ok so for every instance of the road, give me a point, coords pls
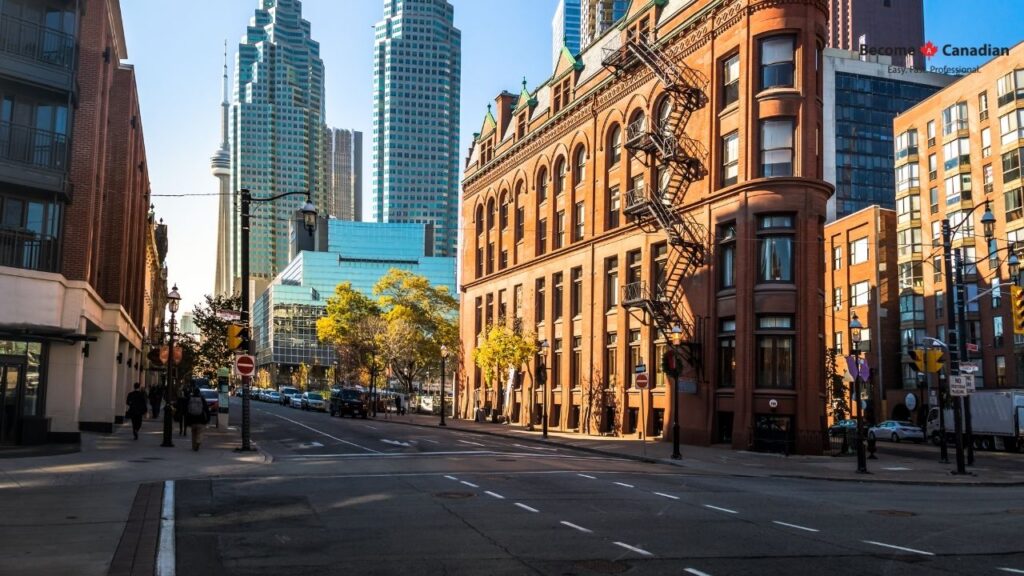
(377, 497)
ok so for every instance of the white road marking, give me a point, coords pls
(473, 443)
(395, 442)
(470, 484)
(577, 527)
(634, 549)
(897, 468)
(165, 559)
(527, 508)
(370, 427)
(623, 484)
(496, 495)
(535, 447)
(795, 526)
(695, 572)
(451, 478)
(721, 509)
(588, 476)
(884, 545)
(322, 433)
(311, 445)
(667, 495)
(1011, 570)
(429, 440)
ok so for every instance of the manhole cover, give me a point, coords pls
(898, 513)
(454, 495)
(603, 566)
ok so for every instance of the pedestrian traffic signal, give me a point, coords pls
(238, 337)
(1017, 300)
(917, 359)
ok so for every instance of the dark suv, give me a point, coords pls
(347, 401)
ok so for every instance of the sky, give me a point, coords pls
(177, 49)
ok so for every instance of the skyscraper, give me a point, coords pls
(277, 127)
(220, 166)
(878, 23)
(565, 29)
(597, 17)
(416, 77)
(347, 174)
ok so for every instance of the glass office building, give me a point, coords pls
(285, 315)
(277, 128)
(417, 66)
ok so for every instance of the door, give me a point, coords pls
(12, 378)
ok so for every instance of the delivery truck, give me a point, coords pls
(997, 420)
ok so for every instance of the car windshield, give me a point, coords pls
(349, 395)
(314, 396)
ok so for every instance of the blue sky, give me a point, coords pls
(177, 49)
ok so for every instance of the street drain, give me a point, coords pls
(603, 566)
(454, 495)
(897, 513)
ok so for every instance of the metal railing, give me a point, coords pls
(42, 44)
(33, 146)
(634, 292)
(28, 250)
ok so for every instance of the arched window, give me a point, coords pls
(579, 166)
(559, 176)
(614, 145)
(479, 219)
(490, 214)
(637, 127)
(542, 185)
(664, 115)
(503, 212)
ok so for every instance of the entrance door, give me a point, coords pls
(12, 378)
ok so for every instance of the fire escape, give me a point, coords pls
(658, 206)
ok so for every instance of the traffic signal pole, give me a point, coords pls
(247, 343)
(961, 330)
(954, 360)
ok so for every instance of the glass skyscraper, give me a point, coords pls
(577, 23)
(416, 86)
(277, 128)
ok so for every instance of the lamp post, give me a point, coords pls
(855, 328)
(173, 301)
(444, 354)
(677, 337)
(309, 219)
(542, 377)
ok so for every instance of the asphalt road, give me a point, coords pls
(374, 497)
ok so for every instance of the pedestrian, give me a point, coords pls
(179, 413)
(136, 408)
(197, 414)
(398, 404)
(156, 393)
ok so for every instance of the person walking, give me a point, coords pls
(156, 394)
(181, 408)
(136, 408)
(198, 414)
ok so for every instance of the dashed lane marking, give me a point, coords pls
(470, 484)
(468, 442)
(634, 549)
(894, 547)
(726, 510)
(623, 484)
(494, 494)
(577, 527)
(795, 526)
(667, 495)
(1011, 570)
(695, 572)
(535, 447)
(527, 508)
(451, 478)
(588, 476)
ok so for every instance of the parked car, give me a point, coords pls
(896, 431)
(842, 427)
(272, 396)
(313, 401)
(212, 399)
(348, 401)
(294, 400)
(286, 394)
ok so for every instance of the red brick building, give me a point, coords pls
(75, 221)
(668, 182)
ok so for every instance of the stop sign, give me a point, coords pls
(641, 380)
(245, 365)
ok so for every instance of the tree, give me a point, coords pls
(300, 378)
(838, 405)
(419, 318)
(501, 350)
(350, 325)
(262, 379)
(212, 351)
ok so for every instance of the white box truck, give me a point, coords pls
(997, 420)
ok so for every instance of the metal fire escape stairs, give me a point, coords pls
(659, 206)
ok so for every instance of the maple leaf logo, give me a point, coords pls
(929, 49)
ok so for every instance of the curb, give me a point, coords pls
(681, 464)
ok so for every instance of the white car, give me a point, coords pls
(313, 401)
(295, 400)
(896, 431)
(271, 396)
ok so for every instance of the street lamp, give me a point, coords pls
(677, 337)
(309, 219)
(173, 301)
(542, 378)
(855, 329)
(444, 354)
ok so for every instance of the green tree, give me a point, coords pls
(503, 349)
(262, 379)
(212, 351)
(300, 379)
(351, 326)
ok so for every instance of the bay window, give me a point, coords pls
(777, 147)
(775, 248)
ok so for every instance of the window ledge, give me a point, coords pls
(779, 92)
(733, 107)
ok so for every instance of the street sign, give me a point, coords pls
(969, 367)
(970, 383)
(958, 385)
(773, 403)
(933, 398)
(640, 368)
(971, 347)
(245, 365)
(641, 380)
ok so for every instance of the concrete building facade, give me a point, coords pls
(662, 192)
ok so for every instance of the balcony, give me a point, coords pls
(26, 249)
(39, 54)
(33, 157)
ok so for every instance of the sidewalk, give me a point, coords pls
(91, 513)
(992, 468)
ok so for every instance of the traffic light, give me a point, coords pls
(936, 358)
(1017, 301)
(917, 358)
(238, 337)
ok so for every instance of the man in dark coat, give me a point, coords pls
(197, 414)
(156, 394)
(136, 408)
